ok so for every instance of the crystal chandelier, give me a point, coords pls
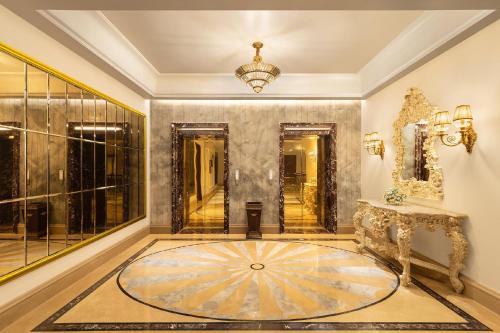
(257, 74)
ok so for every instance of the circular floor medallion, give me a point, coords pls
(257, 266)
(257, 280)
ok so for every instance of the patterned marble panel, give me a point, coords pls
(253, 149)
(233, 280)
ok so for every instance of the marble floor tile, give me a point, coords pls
(223, 283)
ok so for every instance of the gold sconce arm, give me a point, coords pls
(463, 120)
(467, 137)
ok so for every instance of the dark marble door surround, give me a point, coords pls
(320, 129)
(179, 132)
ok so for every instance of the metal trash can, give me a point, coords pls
(254, 213)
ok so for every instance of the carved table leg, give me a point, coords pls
(405, 232)
(458, 253)
(360, 230)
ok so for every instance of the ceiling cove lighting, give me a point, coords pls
(257, 74)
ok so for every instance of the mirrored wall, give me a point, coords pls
(72, 164)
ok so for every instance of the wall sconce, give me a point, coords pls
(270, 176)
(462, 119)
(236, 176)
(374, 145)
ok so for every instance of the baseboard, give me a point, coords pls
(160, 229)
(242, 229)
(345, 229)
(20, 307)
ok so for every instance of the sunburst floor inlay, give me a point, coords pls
(257, 280)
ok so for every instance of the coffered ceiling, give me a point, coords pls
(299, 42)
(179, 49)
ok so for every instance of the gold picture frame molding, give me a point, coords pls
(50, 70)
(415, 108)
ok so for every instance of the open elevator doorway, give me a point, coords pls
(307, 178)
(200, 193)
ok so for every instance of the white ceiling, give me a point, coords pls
(296, 41)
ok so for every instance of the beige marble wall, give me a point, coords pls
(253, 149)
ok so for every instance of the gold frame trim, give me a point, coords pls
(52, 71)
(35, 63)
(415, 108)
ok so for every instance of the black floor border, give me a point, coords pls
(471, 324)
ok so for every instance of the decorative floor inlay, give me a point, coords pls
(222, 285)
(257, 280)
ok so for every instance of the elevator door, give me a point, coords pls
(203, 190)
(305, 206)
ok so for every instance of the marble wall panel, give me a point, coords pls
(253, 149)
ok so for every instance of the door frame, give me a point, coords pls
(179, 131)
(321, 129)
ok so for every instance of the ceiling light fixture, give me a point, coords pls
(257, 74)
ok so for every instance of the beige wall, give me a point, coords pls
(254, 150)
(469, 73)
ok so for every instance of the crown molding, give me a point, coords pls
(96, 33)
(286, 86)
(427, 37)
(430, 35)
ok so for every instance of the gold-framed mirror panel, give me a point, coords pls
(417, 172)
(73, 164)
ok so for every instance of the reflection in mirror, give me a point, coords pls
(110, 208)
(68, 168)
(100, 165)
(74, 221)
(36, 177)
(88, 216)
(119, 126)
(57, 225)
(57, 208)
(74, 165)
(120, 211)
(134, 130)
(414, 161)
(11, 91)
(11, 236)
(110, 123)
(100, 119)
(57, 106)
(100, 208)
(36, 228)
(88, 124)
(37, 88)
(11, 197)
(74, 111)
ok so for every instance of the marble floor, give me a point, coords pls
(208, 218)
(223, 283)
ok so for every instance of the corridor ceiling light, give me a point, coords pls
(257, 74)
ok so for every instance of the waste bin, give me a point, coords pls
(254, 212)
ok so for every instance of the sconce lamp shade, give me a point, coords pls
(371, 140)
(463, 116)
(442, 121)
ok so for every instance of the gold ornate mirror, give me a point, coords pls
(416, 173)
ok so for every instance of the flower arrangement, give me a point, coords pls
(394, 197)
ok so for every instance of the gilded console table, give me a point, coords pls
(407, 218)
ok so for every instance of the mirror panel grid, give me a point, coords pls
(72, 164)
(416, 173)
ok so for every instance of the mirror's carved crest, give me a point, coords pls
(415, 108)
